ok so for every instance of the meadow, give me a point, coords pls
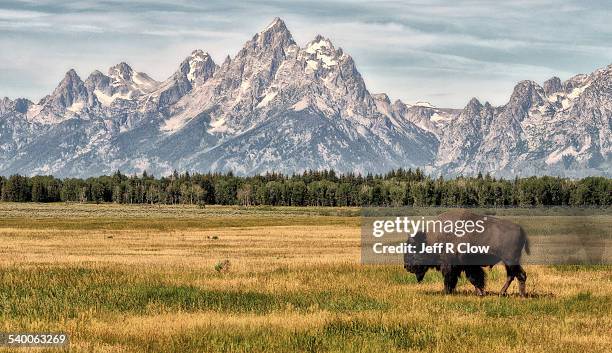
(120, 278)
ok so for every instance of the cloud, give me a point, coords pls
(19, 15)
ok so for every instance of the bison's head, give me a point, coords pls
(418, 270)
(415, 263)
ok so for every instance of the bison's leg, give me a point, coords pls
(451, 276)
(522, 278)
(476, 276)
(509, 278)
(512, 272)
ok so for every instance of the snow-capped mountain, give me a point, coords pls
(280, 106)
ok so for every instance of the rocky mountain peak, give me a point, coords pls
(319, 42)
(22, 105)
(199, 66)
(576, 81)
(244, 79)
(199, 54)
(121, 72)
(322, 53)
(526, 94)
(552, 85)
(474, 106)
(382, 97)
(398, 103)
(70, 91)
(5, 105)
(195, 70)
(71, 78)
(276, 26)
(96, 74)
(127, 83)
(98, 81)
(275, 35)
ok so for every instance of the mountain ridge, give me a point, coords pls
(277, 106)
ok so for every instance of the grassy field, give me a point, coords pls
(145, 279)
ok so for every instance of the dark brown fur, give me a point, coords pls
(506, 239)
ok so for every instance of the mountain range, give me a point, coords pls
(279, 106)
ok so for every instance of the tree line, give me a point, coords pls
(313, 188)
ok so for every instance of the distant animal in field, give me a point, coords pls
(506, 241)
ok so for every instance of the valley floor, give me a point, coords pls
(154, 279)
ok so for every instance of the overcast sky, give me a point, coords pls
(444, 52)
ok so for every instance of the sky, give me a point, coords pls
(442, 52)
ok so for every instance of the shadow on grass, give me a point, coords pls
(537, 304)
(471, 293)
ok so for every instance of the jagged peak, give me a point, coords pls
(72, 73)
(227, 60)
(71, 76)
(318, 38)
(526, 84)
(122, 66)
(399, 106)
(201, 54)
(275, 33)
(198, 64)
(381, 97)
(198, 55)
(552, 85)
(553, 79)
(323, 50)
(526, 88)
(97, 73)
(474, 104)
(5, 105)
(71, 79)
(276, 25)
(22, 105)
(526, 95)
(69, 90)
(121, 71)
(319, 43)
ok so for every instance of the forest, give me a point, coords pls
(313, 188)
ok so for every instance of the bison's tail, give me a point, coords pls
(526, 244)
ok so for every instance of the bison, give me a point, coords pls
(505, 239)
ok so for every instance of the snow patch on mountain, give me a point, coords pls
(556, 155)
(301, 105)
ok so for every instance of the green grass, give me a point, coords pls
(55, 294)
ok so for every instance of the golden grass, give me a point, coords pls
(143, 279)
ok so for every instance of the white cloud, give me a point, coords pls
(19, 14)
